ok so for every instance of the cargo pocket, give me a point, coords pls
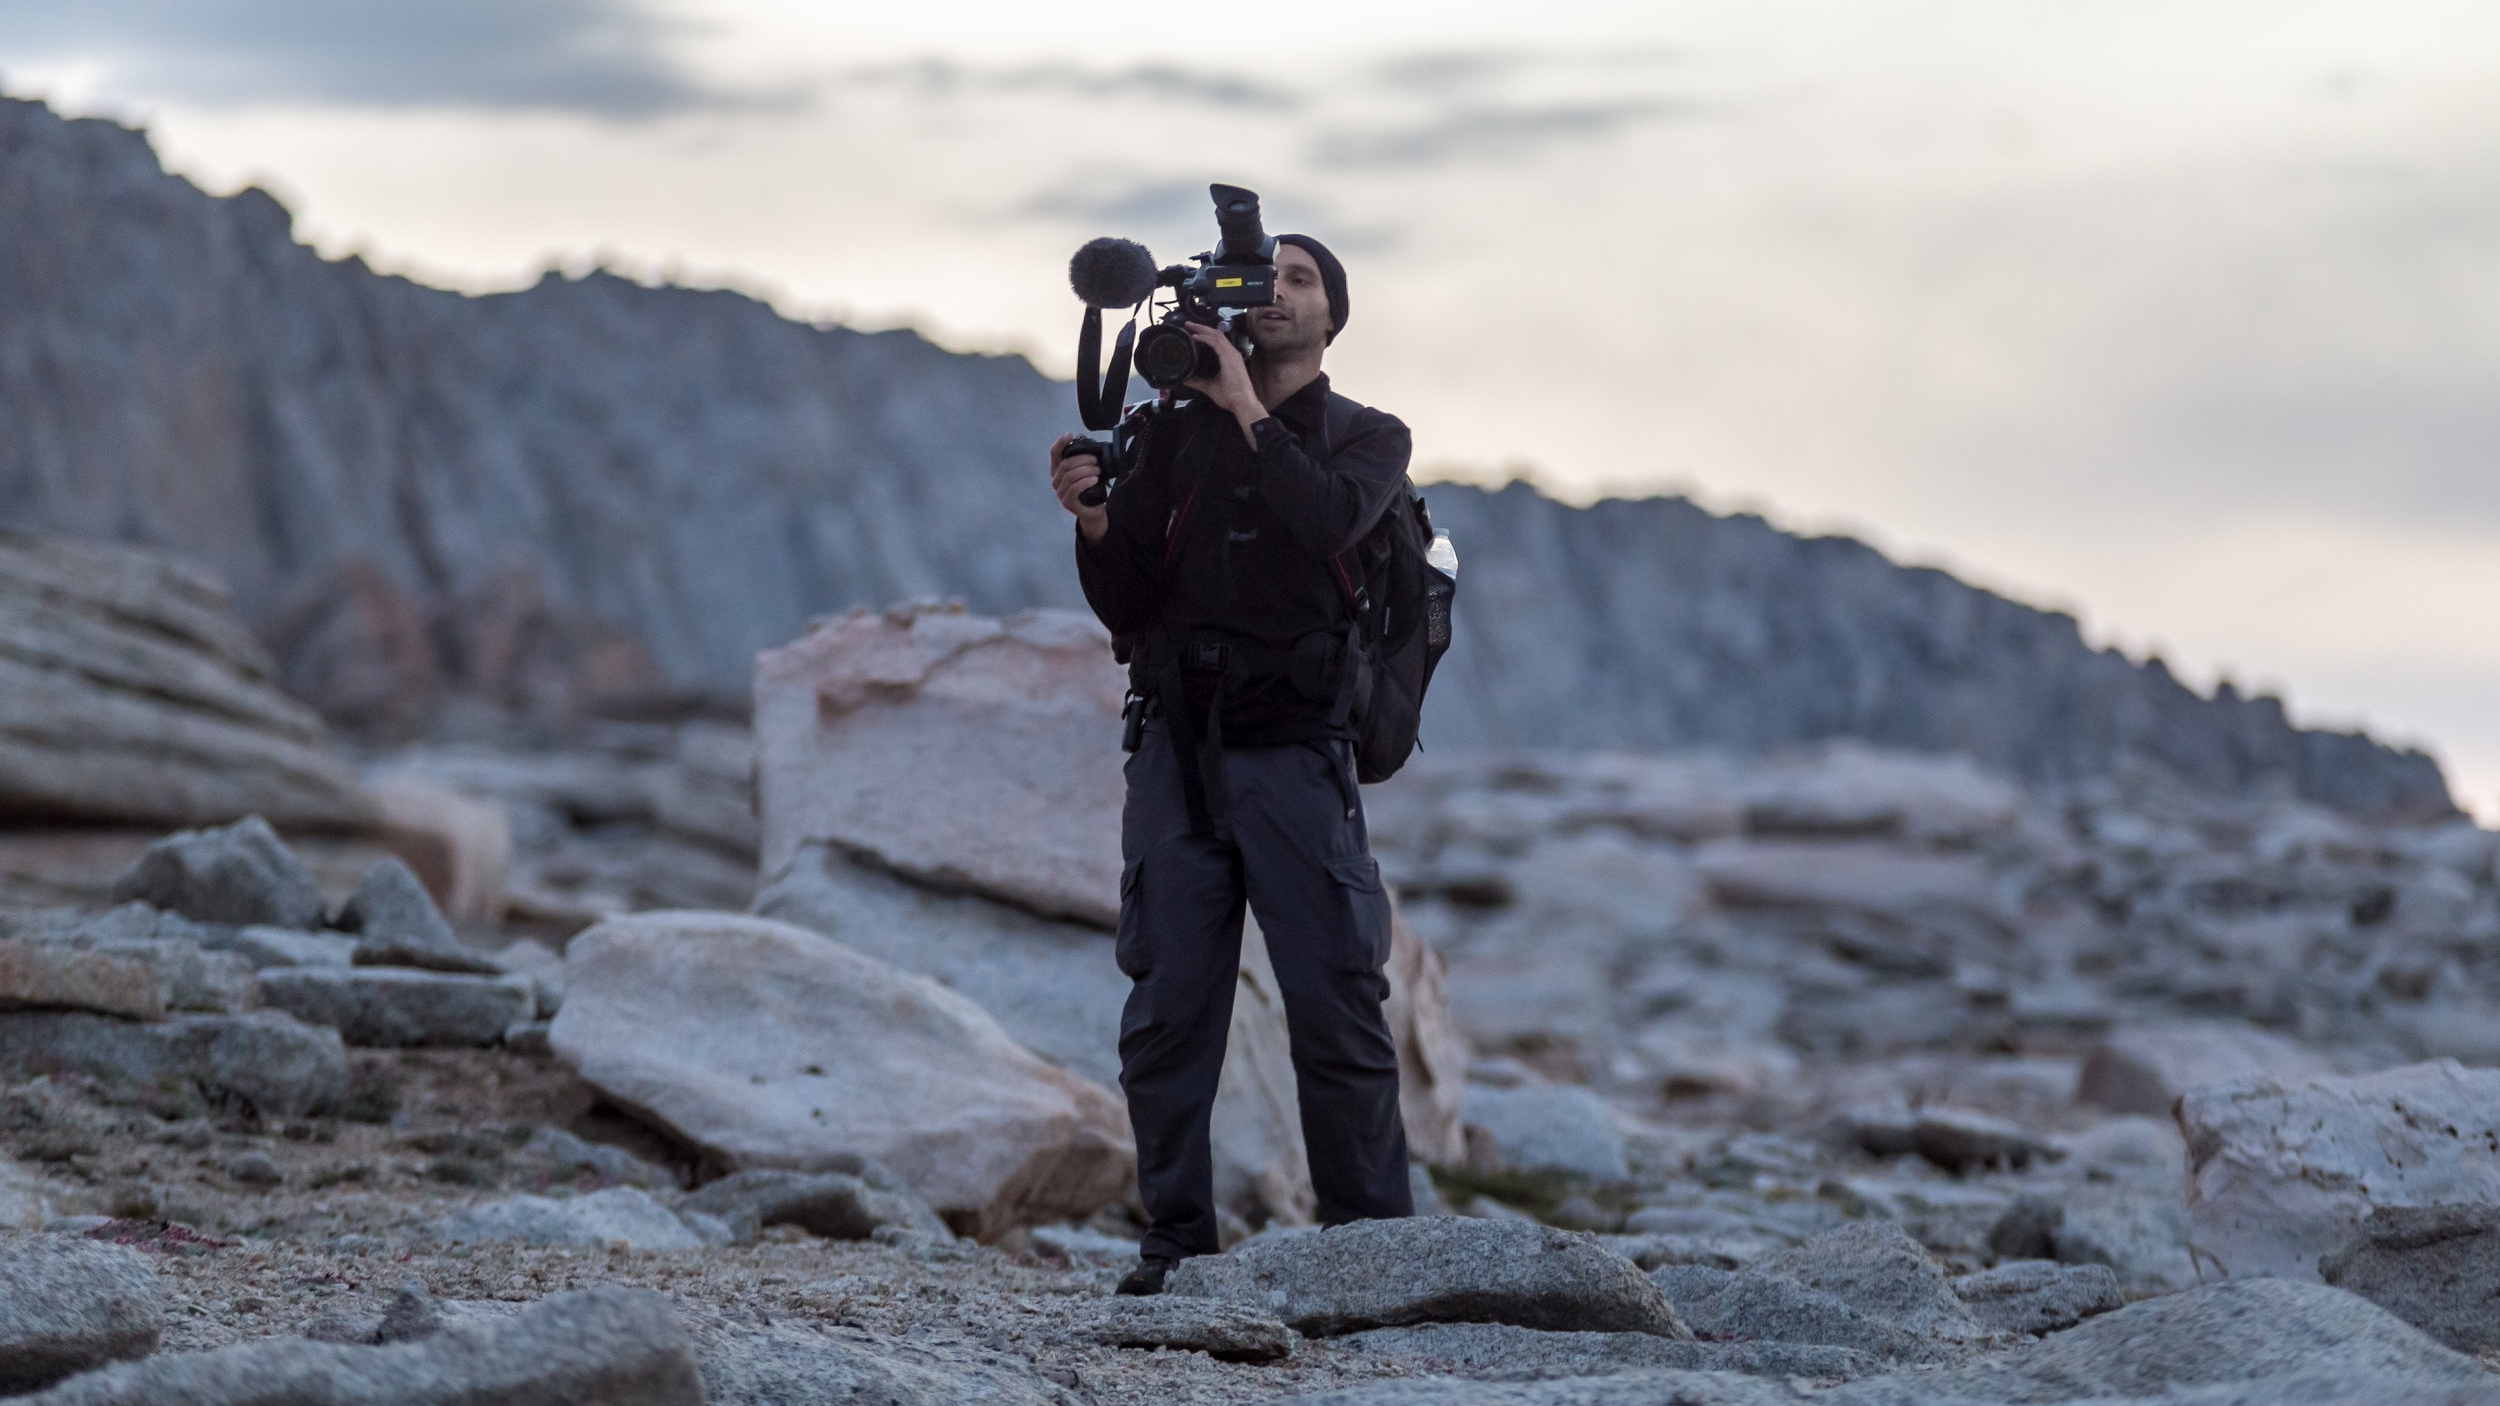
(1367, 908)
(1129, 948)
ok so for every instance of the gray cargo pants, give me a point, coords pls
(1299, 855)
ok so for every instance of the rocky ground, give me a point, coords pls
(258, 1231)
(319, 1229)
(2022, 1152)
(1842, 1072)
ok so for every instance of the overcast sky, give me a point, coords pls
(2183, 315)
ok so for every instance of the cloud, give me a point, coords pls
(1175, 219)
(1184, 85)
(1483, 132)
(2363, 445)
(610, 58)
(1479, 105)
(1158, 82)
(1127, 204)
(1450, 72)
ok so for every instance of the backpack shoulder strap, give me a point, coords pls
(1337, 423)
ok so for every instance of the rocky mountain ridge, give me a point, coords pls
(1690, 630)
(596, 496)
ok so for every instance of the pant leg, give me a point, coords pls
(1309, 875)
(1180, 943)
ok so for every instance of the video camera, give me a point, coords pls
(1238, 274)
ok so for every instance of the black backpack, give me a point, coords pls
(1401, 607)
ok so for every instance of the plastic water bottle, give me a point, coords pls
(1442, 556)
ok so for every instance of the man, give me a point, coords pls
(1225, 564)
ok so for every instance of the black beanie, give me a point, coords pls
(1331, 277)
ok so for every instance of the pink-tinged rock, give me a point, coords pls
(770, 1046)
(1432, 1053)
(2281, 1172)
(135, 695)
(1256, 1125)
(459, 846)
(961, 751)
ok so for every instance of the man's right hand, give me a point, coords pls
(1070, 475)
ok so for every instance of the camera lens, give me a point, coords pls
(1166, 356)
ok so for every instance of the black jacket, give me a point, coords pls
(1213, 542)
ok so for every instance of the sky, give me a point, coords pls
(2181, 315)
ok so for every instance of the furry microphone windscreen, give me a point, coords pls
(1112, 273)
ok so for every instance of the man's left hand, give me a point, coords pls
(1230, 385)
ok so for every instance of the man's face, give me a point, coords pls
(1298, 319)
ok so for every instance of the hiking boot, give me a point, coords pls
(1147, 1279)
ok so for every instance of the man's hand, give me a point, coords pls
(1070, 475)
(1230, 386)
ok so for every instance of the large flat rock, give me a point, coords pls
(2144, 1070)
(188, 962)
(793, 1362)
(2038, 1296)
(268, 1060)
(1052, 983)
(265, 947)
(1877, 1269)
(964, 751)
(2435, 1267)
(390, 1006)
(1435, 1269)
(1864, 877)
(2218, 1336)
(2255, 1343)
(1637, 1388)
(771, 1046)
(1231, 1332)
(1739, 1306)
(50, 975)
(67, 1305)
(2281, 1173)
(136, 695)
(619, 1215)
(1487, 1349)
(593, 1347)
(833, 1205)
(27, 1201)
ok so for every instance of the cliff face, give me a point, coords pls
(1655, 623)
(591, 493)
(588, 486)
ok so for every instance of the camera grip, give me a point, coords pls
(1100, 488)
